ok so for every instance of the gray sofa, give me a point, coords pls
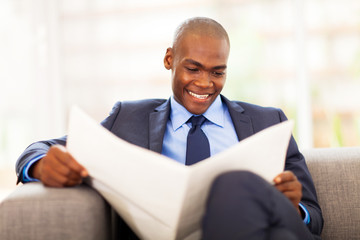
(33, 211)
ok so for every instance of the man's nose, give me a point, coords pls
(204, 80)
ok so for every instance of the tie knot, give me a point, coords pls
(197, 120)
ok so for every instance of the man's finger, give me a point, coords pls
(65, 158)
(52, 178)
(57, 165)
(289, 186)
(284, 177)
(66, 171)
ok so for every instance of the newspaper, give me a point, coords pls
(158, 197)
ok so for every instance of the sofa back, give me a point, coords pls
(336, 175)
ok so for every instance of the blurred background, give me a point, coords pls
(299, 55)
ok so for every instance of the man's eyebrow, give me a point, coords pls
(191, 61)
(220, 67)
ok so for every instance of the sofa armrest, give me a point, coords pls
(336, 175)
(34, 211)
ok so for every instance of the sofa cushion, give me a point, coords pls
(336, 175)
(33, 211)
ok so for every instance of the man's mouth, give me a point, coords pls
(204, 96)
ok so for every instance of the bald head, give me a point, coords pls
(200, 26)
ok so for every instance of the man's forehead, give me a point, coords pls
(195, 42)
(192, 41)
(193, 36)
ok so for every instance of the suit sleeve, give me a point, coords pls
(32, 151)
(295, 162)
(42, 147)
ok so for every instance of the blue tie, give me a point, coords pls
(197, 147)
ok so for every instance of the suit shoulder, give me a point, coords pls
(260, 115)
(131, 114)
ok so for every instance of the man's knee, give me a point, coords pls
(239, 179)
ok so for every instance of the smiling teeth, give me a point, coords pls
(198, 96)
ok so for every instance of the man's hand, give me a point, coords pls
(58, 168)
(287, 183)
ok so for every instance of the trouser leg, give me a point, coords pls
(242, 205)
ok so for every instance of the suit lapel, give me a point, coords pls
(157, 126)
(242, 122)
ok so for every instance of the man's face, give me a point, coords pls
(198, 68)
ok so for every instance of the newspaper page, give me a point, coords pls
(158, 197)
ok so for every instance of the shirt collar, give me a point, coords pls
(179, 115)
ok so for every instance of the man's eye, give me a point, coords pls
(192, 69)
(218, 74)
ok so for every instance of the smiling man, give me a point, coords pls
(195, 123)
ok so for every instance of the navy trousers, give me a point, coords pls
(242, 205)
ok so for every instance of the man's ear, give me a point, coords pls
(168, 59)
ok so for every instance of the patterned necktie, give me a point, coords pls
(197, 147)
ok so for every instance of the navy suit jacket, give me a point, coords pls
(143, 123)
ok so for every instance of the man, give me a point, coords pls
(240, 205)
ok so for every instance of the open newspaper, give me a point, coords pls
(158, 197)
